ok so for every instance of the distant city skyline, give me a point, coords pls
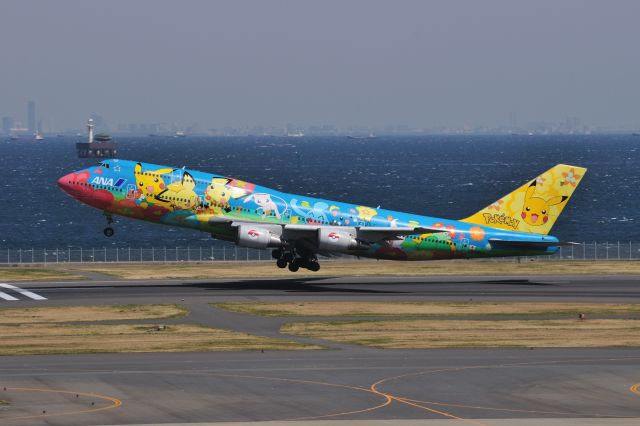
(359, 64)
(569, 125)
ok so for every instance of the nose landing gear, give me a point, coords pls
(108, 231)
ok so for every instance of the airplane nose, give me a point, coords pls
(65, 182)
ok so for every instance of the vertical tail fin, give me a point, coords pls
(535, 206)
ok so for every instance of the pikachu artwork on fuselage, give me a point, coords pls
(219, 192)
(181, 195)
(150, 185)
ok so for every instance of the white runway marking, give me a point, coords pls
(23, 292)
(6, 296)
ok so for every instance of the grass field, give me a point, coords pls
(36, 274)
(360, 268)
(338, 268)
(420, 334)
(31, 339)
(419, 309)
(54, 330)
(90, 313)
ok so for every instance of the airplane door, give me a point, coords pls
(131, 192)
(176, 175)
(464, 245)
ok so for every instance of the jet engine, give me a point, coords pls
(255, 237)
(333, 240)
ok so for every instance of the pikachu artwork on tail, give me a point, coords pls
(535, 206)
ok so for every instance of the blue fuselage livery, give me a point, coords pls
(298, 227)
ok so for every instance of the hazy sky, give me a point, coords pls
(421, 63)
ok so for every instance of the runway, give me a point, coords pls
(473, 386)
(583, 288)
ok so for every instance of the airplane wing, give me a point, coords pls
(321, 239)
(318, 238)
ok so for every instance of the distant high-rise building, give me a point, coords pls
(31, 116)
(98, 120)
(7, 125)
(513, 120)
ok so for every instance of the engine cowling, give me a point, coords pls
(333, 240)
(255, 237)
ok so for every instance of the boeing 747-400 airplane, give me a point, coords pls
(299, 228)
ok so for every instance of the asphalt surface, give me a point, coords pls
(530, 288)
(477, 386)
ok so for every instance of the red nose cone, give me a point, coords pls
(65, 182)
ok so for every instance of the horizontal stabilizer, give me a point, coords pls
(523, 244)
(374, 234)
(402, 230)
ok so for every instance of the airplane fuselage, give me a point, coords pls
(219, 205)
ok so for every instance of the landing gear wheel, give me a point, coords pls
(281, 263)
(294, 266)
(313, 266)
(108, 231)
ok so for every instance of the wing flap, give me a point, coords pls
(368, 234)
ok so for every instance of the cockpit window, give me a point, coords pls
(105, 165)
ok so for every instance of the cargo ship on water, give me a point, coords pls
(21, 134)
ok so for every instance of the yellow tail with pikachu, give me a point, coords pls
(535, 206)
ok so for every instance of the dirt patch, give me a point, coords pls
(419, 334)
(347, 308)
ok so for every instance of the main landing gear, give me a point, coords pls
(294, 262)
(108, 231)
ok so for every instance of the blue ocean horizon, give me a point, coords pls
(442, 176)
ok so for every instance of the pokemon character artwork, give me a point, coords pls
(299, 228)
(535, 206)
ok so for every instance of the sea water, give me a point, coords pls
(442, 176)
